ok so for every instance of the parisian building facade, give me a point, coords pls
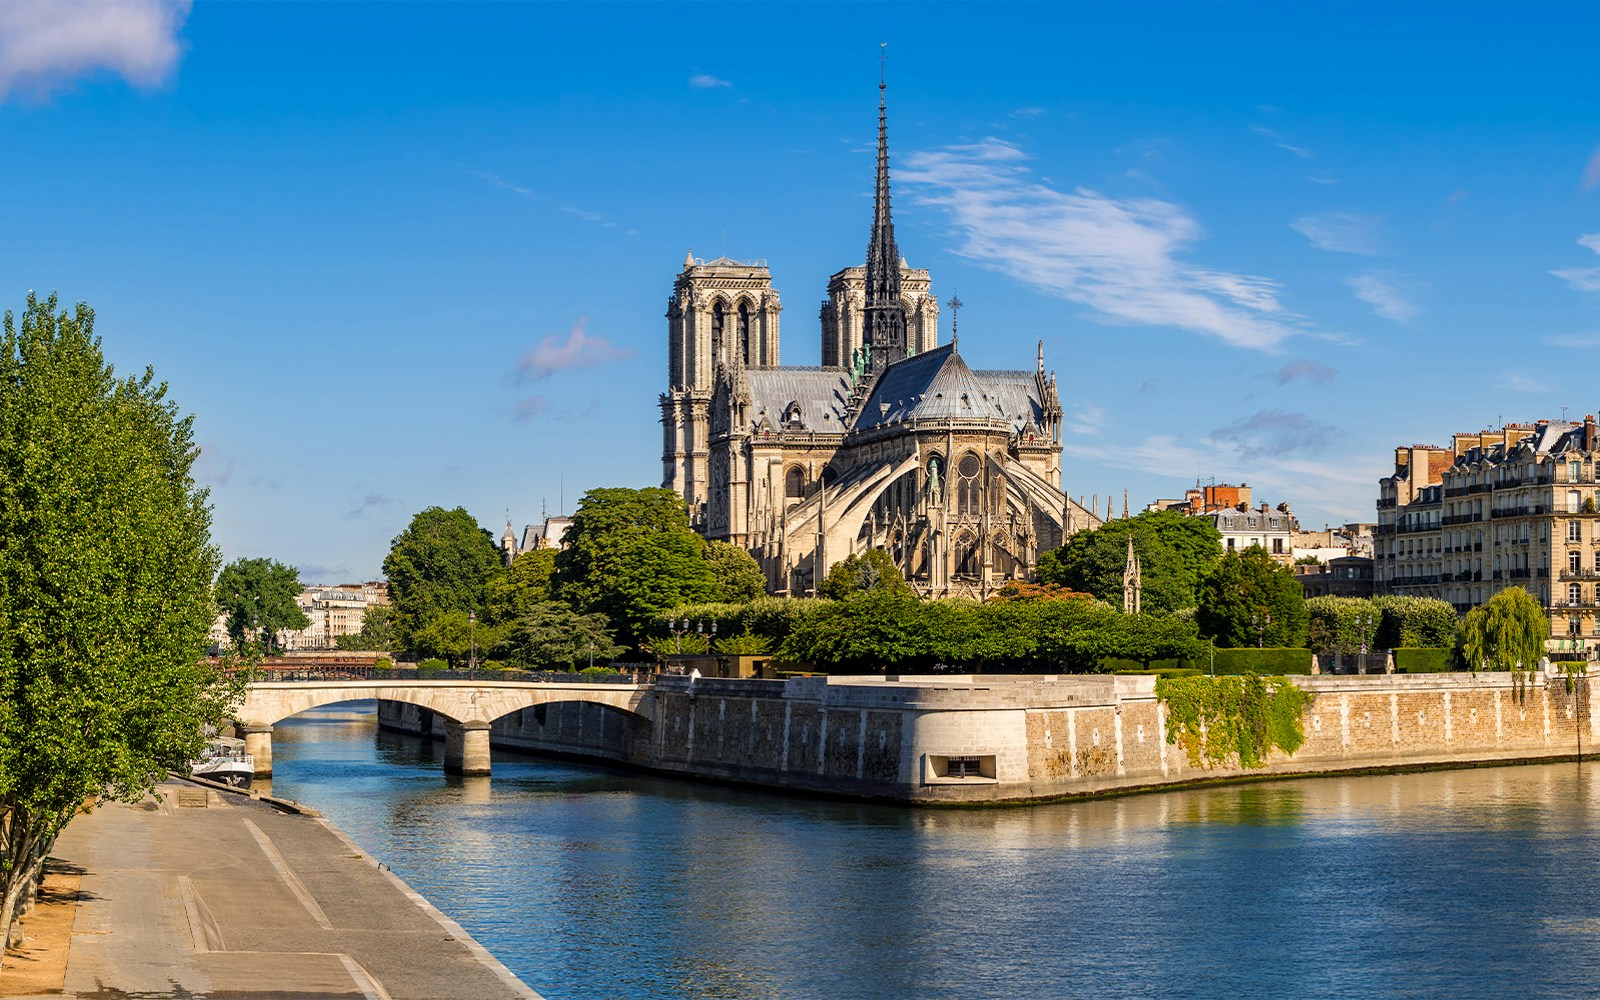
(893, 442)
(1500, 508)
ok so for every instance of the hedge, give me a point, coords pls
(1263, 661)
(1423, 660)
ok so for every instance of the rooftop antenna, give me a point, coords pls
(883, 65)
(561, 484)
(1563, 414)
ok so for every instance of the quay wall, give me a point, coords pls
(1011, 738)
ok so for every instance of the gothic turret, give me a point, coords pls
(885, 313)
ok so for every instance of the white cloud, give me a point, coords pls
(1031, 111)
(1523, 382)
(1282, 143)
(1340, 232)
(1384, 296)
(1584, 279)
(1118, 257)
(1087, 419)
(1312, 370)
(44, 46)
(578, 350)
(705, 81)
(1267, 433)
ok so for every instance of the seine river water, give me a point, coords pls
(590, 883)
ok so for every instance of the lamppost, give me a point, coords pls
(1364, 626)
(678, 628)
(591, 654)
(472, 639)
(1260, 622)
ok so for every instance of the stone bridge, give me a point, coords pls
(469, 706)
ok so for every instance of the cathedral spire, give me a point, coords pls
(885, 318)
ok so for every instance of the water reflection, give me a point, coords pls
(590, 882)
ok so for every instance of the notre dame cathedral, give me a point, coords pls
(891, 443)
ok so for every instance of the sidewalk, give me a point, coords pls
(208, 894)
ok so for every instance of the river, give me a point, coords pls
(593, 883)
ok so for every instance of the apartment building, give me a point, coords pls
(1498, 508)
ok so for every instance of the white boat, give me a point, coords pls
(224, 760)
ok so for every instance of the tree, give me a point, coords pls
(1335, 624)
(736, 571)
(1415, 621)
(1175, 553)
(630, 554)
(258, 596)
(525, 584)
(1506, 633)
(1249, 600)
(441, 563)
(870, 632)
(551, 633)
(106, 567)
(870, 570)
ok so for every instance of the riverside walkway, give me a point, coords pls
(212, 894)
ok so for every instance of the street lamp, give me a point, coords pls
(472, 634)
(1364, 626)
(591, 654)
(678, 628)
(1260, 622)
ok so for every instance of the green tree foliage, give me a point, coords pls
(743, 644)
(523, 586)
(258, 596)
(106, 567)
(551, 634)
(867, 570)
(874, 631)
(630, 554)
(1415, 621)
(736, 572)
(377, 630)
(1175, 554)
(441, 564)
(1249, 600)
(1506, 633)
(1334, 624)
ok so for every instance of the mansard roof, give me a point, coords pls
(821, 396)
(938, 385)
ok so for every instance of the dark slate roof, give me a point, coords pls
(938, 385)
(822, 395)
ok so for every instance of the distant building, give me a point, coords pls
(332, 612)
(1515, 506)
(552, 534)
(1342, 576)
(1228, 507)
(1351, 539)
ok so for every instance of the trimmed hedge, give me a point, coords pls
(1264, 662)
(1423, 660)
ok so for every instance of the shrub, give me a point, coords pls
(597, 671)
(1265, 662)
(433, 663)
(1426, 660)
(383, 663)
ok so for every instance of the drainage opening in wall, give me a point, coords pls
(939, 769)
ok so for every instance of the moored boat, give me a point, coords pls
(224, 759)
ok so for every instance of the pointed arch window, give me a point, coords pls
(744, 334)
(794, 483)
(718, 321)
(969, 491)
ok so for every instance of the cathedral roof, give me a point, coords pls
(938, 385)
(801, 397)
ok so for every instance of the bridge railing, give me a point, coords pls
(277, 674)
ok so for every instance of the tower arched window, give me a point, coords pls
(794, 483)
(969, 492)
(744, 333)
(968, 562)
(718, 320)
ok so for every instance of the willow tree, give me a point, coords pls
(1506, 633)
(105, 587)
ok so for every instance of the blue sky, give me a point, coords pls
(402, 255)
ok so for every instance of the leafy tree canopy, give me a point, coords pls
(1505, 633)
(551, 634)
(377, 630)
(1175, 554)
(106, 567)
(258, 596)
(631, 554)
(870, 570)
(1341, 624)
(1415, 621)
(525, 584)
(441, 563)
(736, 571)
(1249, 600)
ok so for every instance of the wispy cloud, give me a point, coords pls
(705, 81)
(44, 47)
(534, 196)
(1584, 279)
(1340, 232)
(1274, 432)
(1282, 143)
(1119, 257)
(1575, 340)
(1309, 370)
(1591, 173)
(1523, 382)
(574, 351)
(1031, 111)
(369, 503)
(1384, 295)
(1087, 419)
(312, 574)
(534, 406)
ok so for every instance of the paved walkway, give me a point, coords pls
(215, 895)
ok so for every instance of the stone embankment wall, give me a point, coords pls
(1020, 738)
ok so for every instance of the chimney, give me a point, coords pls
(1588, 432)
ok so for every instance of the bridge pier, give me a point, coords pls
(466, 747)
(258, 744)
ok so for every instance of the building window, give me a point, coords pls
(1277, 546)
(744, 333)
(1574, 501)
(1574, 531)
(969, 495)
(1575, 561)
(1574, 594)
(1574, 471)
(794, 484)
(717, 318)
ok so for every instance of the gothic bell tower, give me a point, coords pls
(719, 310)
